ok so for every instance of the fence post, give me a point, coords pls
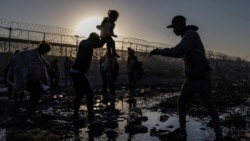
(77, 36)
(44, 34)
(61, 46)
(10, 30)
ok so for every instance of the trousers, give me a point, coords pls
(203, 87)
(82, 88)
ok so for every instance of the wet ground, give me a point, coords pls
(55, 109)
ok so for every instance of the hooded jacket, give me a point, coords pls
(192, 51)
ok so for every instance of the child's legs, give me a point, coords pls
(110, 45)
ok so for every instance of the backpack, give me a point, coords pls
(105, 65)
(109, 68)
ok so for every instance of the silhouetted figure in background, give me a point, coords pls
(78, 70)
(107, 31)
(134, 70)
(131, 61)
(109, 69)
(10, 87)
(28, 72)
(67, 65)
(197, 71)
(54, 73)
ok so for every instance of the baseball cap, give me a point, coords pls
(177, 20)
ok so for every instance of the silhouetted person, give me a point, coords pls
(67, 65)
(28, 72)
(197, 71)
(109, 69)
(134, 70)
(10, 87)
(54, 73)
(131, 61)
(78, 70)
(107, 31)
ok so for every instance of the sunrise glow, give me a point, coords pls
(89, 25)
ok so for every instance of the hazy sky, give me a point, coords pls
(223, 24)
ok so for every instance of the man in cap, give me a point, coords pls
(197, 71)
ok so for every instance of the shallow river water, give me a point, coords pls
(196, 129)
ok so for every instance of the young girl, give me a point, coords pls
(107, 31)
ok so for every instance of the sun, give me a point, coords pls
(89, 25)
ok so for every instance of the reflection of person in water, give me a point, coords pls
(78, 70)
(197, 71)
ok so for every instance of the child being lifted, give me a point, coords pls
(107, 31)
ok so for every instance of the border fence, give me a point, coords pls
(23, 36)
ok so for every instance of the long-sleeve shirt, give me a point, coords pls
(84, 55)
(192, 51)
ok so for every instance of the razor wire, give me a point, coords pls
(17, 35)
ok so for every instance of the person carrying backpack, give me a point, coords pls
(78, 72)
(109, 69)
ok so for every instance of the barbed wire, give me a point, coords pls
(14, 35)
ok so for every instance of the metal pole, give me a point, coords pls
(61, 46)
(77, 36)
(10, 30)
(44, 34)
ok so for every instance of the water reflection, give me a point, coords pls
(2, 134)
(196, 128)
(113, 129)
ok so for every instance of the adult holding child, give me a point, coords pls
(78, 73)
